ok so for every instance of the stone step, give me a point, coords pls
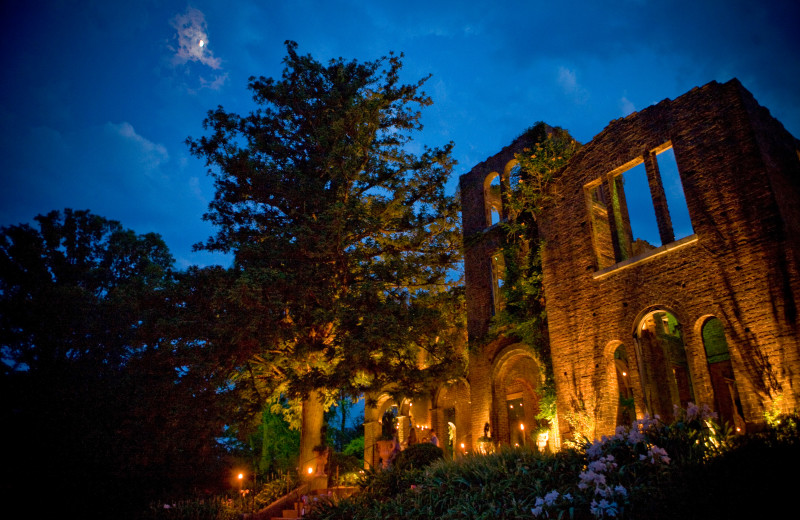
(339, 492)
(290, 514)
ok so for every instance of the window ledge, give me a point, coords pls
(685, 241)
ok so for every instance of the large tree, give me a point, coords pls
(105, 403)
(344, 240)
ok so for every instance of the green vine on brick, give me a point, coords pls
(531, 186)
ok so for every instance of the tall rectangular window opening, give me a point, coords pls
(673, 189)
(637, 207)
(633, 197)
(597, 202)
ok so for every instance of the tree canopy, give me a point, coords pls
(343, 238)
(337, 228)
(104, 399)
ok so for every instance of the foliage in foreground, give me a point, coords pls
(107, 391)
(222, 507)
(702, 473)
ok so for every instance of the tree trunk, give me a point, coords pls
(311, 418)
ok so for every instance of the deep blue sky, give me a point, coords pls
(98, 97)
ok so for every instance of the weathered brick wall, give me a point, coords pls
(480, 239)
(481, 242)
(740, 266)
(740, 172)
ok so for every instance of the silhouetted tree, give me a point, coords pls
(104, 402)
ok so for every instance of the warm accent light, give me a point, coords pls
(310, 470)
(241, 476)
(624, 374)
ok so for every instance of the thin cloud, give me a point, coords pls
(626, 106)
(568, 81)
(193, 39)
(214, 84)
(149, 156)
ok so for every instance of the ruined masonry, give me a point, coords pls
(696, 302)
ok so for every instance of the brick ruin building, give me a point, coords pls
(697, 303)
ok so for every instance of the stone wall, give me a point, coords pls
(607, 292)
(488, 359)
(739, 169)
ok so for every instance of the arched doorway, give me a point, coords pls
(626, 411)
(452, 416)
(723, 382)
(515, 379)
(664, 370)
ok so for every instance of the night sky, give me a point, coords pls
(98, 97)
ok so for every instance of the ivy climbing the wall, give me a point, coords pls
(531, 185)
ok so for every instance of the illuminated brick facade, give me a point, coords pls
(704, 314)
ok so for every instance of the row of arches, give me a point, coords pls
(510, 418)
(650, 374)
(664, 369)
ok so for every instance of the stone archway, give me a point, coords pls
(373, 417)
(492, 198)
(618, 407)
(411, 414)
(664, 372)
(516, 377)
(720, 371)
(451, 418)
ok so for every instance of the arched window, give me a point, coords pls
(723, 382)
(492, 199)
(626, 412)
(513, 173)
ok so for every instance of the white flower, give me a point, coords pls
(536, 511)
(620, 490)
(551, 497)
(590, 477)
(635, 437)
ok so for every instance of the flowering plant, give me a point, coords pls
(635, 460)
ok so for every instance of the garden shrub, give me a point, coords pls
(274, 489)
(418, 456)
(688, 469)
